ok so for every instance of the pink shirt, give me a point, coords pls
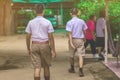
(91, 27)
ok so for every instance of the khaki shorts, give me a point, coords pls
(80, 49)
(41, 55)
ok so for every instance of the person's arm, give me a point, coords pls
(84, 30)
(28, 37)
(104, 32)
(93, 34)
(52, 44)
(70, 38)
(84, 35)
(69, 29)
(103, 26)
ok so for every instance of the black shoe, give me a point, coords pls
(36, 78)
(71, 70)
(101, 57)
(81, 74)
(47, 77)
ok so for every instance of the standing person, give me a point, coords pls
(100, 34)
(90, 34)
(76, 28)
(41, 32)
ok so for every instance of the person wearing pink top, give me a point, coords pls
(90, 34)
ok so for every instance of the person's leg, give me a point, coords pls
(46, 60)
(46, 72)
(93, 48)
(98, 40)
(101, 50)
(72, 69)
(101, 55)
(36, 60)
(71, 59)
(81, 60)
(81, 53)
(37, 73)
(86, 43)
(98, 45)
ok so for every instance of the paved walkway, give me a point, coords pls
(58, 72)
(15, 62)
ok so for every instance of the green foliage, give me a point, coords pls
(24, 16)
(29, 13)
(114, 13)
(89, 7)
(66, 15)
(48, 12)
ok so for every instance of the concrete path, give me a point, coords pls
(15, 63)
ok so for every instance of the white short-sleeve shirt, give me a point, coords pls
(39, 28)
(77, 27)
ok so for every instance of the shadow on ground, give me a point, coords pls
(97, 69)
(13, 61)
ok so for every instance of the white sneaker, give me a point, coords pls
(95, 56)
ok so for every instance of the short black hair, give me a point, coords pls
(74, 11)
(91, 17)
(39, 8)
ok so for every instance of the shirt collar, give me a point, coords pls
(39, 16)
(102, 18)
(74, 17)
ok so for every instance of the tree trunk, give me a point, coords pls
(106, 32)
(5, 17)
(1, 17)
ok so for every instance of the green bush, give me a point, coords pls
(114, 13)
(88, 7)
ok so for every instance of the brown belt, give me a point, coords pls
(77, 38)
(38, 42)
